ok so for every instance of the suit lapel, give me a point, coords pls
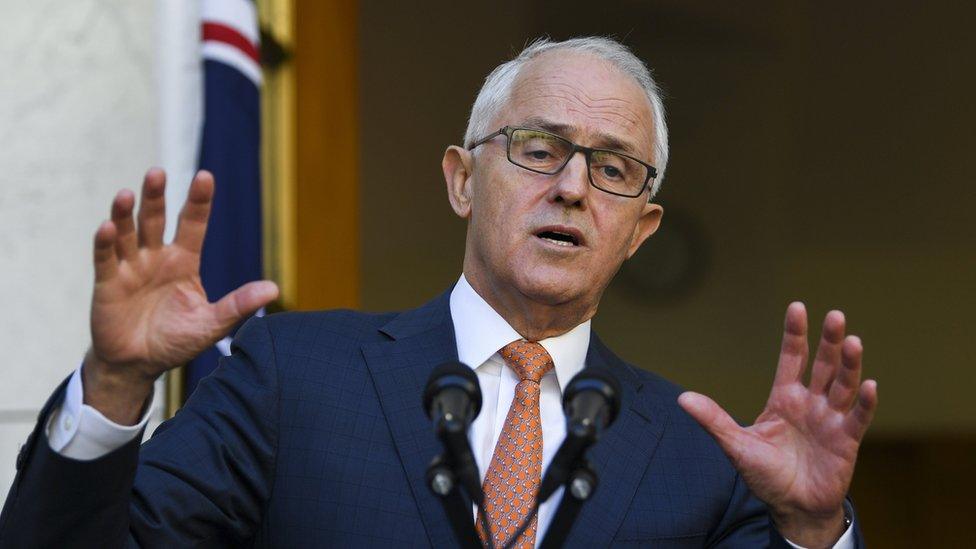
(423, 338)
(420, 340)
(621, 457)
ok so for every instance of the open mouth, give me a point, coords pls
(559, 237)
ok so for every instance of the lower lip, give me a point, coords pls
(559, 246)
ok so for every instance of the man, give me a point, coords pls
(312, 433)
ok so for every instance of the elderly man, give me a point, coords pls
(312, 432)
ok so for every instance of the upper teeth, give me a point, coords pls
(560, 242)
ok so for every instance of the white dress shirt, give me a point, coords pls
(78, 431)
(480, 333)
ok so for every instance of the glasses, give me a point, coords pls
(547, 153)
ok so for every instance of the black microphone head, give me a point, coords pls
(598, 381)
(455, 375)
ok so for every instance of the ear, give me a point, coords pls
(458, 164)
(648, 223)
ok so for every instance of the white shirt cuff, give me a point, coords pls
(845, 542)
(79, 431)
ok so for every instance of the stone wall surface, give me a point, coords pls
(77, 122)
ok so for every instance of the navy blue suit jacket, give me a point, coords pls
(312, 434)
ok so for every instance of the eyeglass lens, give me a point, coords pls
(547, 153)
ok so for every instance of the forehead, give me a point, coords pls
(597, 103)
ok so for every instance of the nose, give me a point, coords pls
(572, 183)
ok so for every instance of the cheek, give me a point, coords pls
(616, 231)
(503, 203)
(495, 221)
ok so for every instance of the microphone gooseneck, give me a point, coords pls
(452, 400)
(591, 402)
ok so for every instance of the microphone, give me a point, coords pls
(591, 402)
(452, 399)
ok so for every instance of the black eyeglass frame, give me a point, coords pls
(507, 131)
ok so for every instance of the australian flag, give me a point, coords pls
(230, 148)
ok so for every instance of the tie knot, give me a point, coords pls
(530, 360)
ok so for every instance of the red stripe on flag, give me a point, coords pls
(228, 35)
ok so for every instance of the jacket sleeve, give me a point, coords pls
(747, 524)
(201, 480)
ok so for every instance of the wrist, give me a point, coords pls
(812, 530)
(117, 392)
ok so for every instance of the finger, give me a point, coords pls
(106, 264)
(152, 209)
(716, 421)
(192, 226)
(241, 303)
(827, 362)
(126, 244)
(845, 385)
(858, 421)
(794, 351)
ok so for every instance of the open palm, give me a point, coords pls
(149, 310)
(799, 455)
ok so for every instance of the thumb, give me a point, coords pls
(715, 420)
(243, 302)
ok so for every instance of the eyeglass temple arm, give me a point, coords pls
(488, 138)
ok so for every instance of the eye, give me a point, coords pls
(539, 154)
(611, 172)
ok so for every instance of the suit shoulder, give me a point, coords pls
(666, 393)
(311, 347)
(660, 389)
(334, 327)
(658, 384)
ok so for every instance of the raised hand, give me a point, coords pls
(149, 310)
(798, 456)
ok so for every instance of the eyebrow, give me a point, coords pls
(603, 140)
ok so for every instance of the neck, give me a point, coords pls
(533, 319)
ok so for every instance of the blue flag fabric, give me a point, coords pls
(230, 148)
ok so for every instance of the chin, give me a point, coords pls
(552, 286)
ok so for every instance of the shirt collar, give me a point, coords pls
(480, 332)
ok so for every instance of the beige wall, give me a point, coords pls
(79, 99)
(77, 120)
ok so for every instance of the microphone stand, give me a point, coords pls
(443, 482)
(452, 399)
(580, 485)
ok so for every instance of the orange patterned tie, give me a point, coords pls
(515, 470)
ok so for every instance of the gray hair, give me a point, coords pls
(498, 87)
